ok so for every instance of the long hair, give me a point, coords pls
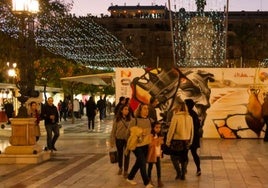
(119, 115)
(153, 125)
(181, 107)
(137, 112)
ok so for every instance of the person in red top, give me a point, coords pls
(35, 113)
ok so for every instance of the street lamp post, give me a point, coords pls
(23, 148)
(25, 9)
(11, 71)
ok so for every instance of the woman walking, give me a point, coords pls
(119, 136)
(142, 122)
(196, 140)
(180, 132)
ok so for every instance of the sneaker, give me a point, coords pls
(149, 186)
(132, 182)
(198, 173)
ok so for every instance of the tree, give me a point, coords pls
(50, 70)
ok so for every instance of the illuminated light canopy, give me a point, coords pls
(84, 41)
(199, 36)
(75, 38)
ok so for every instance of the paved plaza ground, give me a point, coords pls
(82, 161)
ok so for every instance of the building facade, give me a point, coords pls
(146, 33)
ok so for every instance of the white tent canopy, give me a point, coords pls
(94, 79)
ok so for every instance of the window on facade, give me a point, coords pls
(129, 25)
(129, 39)
(143, 39)
(231, 53)
(143, 25)
(230, 27)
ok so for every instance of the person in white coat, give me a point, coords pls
(180, 132)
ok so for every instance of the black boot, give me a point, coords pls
(183, 170)
(178, 173)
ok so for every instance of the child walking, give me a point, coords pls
(154, 153)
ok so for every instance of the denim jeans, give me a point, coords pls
(102, 113)
(52, 128)
(140, 164)
(120, 146)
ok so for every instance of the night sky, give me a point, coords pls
(96, 7)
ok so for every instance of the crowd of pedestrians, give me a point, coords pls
(54, 114)
(137, 131)
(133, 130)
(140, 132)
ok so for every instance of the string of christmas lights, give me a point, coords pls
(75, 38)
(84, 41)
(8, 24)
(199, 36)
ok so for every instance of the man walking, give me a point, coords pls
(101, 104)
(51, 117)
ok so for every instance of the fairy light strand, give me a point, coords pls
(76, 38)
(199, 37)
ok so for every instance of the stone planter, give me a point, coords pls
(22, 132)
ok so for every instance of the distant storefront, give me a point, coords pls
(9, 92)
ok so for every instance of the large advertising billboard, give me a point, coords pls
(229, 101)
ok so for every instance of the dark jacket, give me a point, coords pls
(9, 109)
(48, 111)
(91, 108)
(101, 104)
(197, 126)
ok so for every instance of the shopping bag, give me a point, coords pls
(113, 156)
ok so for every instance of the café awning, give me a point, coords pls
(94, 79)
